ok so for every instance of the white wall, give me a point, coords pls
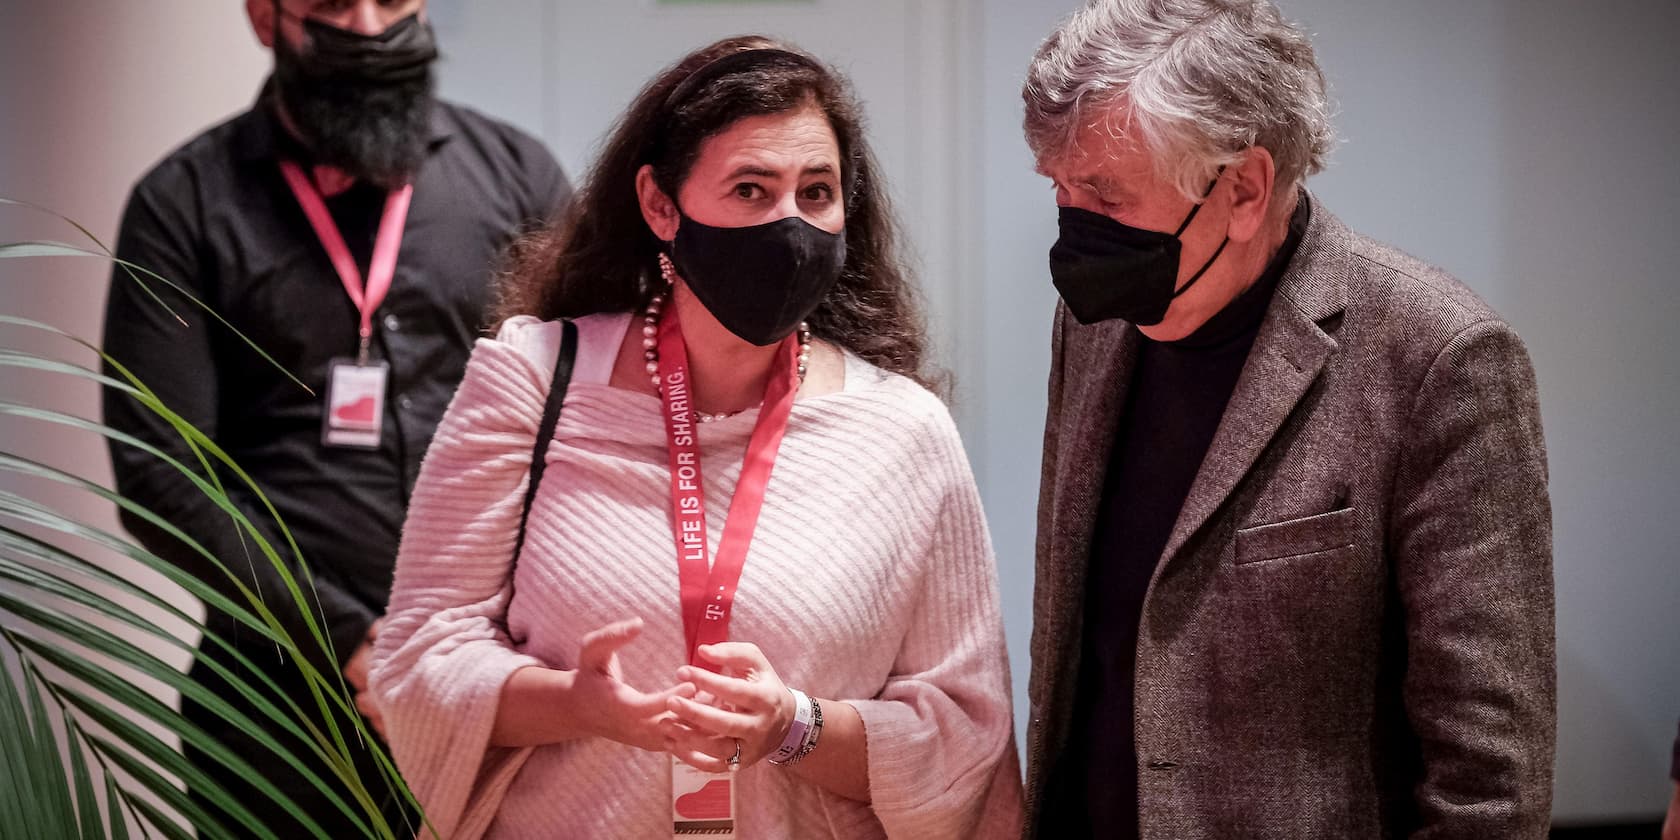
(1523, 145)
(1018, 223)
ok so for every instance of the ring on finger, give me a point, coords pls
(735, 760)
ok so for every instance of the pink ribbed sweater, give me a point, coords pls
(871, 580)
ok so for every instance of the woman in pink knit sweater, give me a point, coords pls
(753, 593)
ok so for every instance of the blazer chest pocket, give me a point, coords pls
(1309, 535)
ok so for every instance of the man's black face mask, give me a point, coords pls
(362, 102)
(1104, 269)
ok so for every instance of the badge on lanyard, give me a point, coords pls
(355, 404)
(354, 412)
(704, 803)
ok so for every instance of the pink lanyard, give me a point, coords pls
(709, 597)
(381, 268)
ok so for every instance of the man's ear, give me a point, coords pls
(261, 13)
(1251, 193)
(658, 210)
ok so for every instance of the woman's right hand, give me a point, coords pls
(607, 706)
(547, 706)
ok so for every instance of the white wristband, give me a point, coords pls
(802, 717)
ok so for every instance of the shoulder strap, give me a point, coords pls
(545, 430)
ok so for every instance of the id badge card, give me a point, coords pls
(702, 804)
(355, 404)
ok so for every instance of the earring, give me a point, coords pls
(667, 270)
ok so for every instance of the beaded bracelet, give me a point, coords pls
(812, 735)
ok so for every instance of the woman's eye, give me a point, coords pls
(819, 192)
(748, 191)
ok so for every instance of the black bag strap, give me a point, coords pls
(545, 430)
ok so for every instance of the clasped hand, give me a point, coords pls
(701, 718)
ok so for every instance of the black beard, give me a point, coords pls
(375, 131)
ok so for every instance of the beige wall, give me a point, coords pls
(92, 93)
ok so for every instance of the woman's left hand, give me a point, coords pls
(750, 707)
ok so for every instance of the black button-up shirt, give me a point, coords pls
(217, 218)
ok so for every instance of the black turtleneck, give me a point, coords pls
(1174, 401)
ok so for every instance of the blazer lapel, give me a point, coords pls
(1288, 355)
(1093, 401)
(1089, 438)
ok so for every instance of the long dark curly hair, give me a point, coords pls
(601, 257)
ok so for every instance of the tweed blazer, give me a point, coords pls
(1350, 631)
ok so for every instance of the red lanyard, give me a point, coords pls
(708, 597)
(381, 268)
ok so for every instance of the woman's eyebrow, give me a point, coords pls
(752, 170)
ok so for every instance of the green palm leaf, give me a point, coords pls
(87, 804)
(113, 804)
(122, 651)
(55, 798)
(22, 770)
(77, 646)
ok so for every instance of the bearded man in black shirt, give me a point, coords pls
(348, 224)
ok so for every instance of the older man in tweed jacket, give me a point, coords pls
(1294, 553)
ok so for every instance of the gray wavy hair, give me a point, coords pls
(1202, 81)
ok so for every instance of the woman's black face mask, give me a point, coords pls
(759, 281)
(1104, 269)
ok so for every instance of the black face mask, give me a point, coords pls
(362, 102)
(1104, 269)
(759, 281)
